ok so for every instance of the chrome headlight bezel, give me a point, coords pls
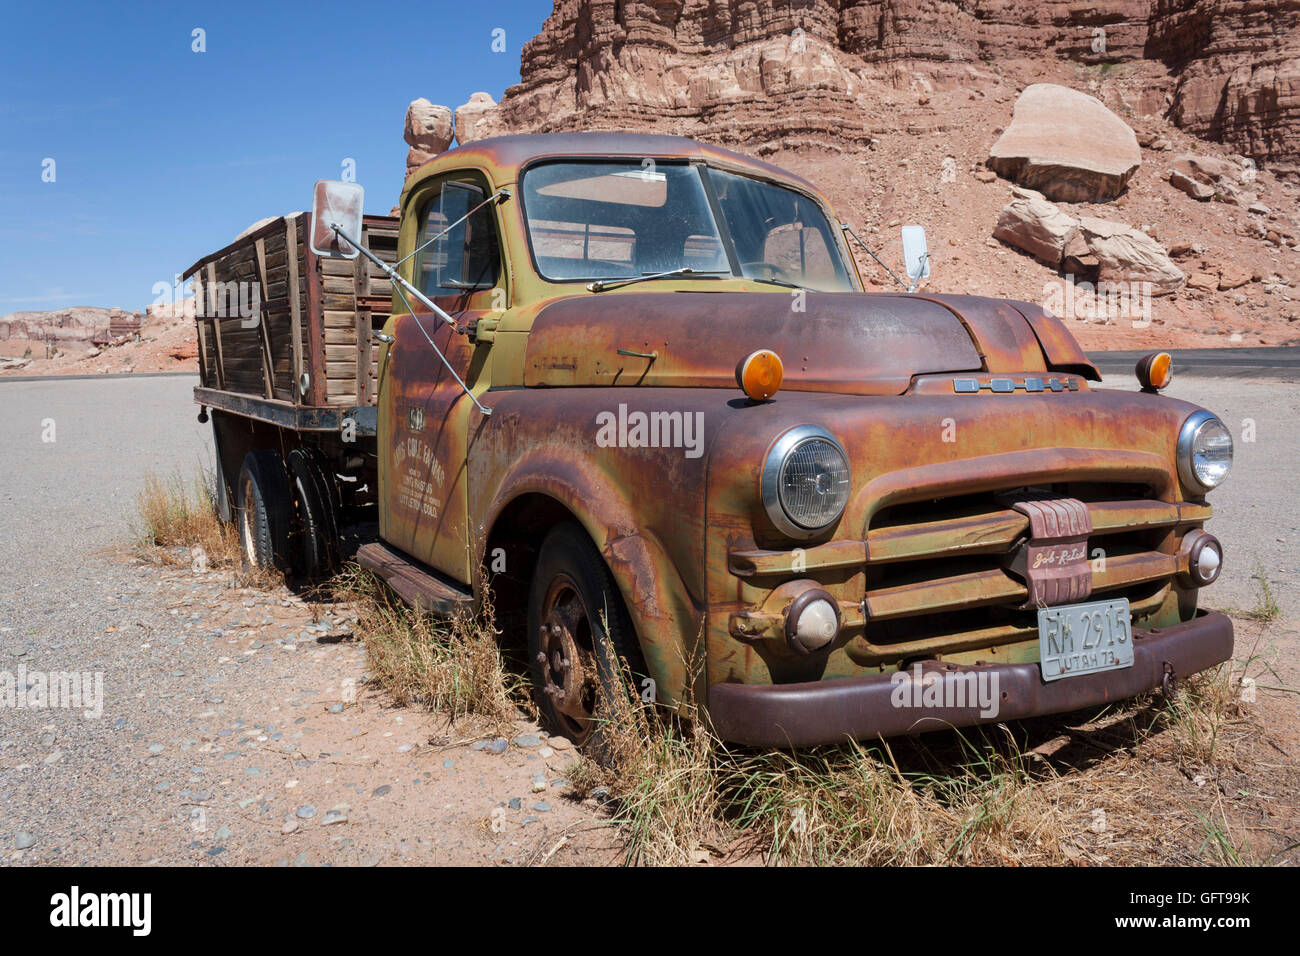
(1187, 449)
(770, 480)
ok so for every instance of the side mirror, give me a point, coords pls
(335, 203)
(916, 255)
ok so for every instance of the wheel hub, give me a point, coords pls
(566, 657)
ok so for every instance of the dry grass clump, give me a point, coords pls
(1127, 784)
(455, 667)
(181, 512)
(1201, 715)
(681, 795)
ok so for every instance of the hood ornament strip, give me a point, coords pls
(1030, 383)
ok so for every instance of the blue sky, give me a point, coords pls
(162, 154)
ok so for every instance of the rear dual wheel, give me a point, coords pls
(263, 512)
(286, 515)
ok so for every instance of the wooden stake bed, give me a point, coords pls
(316, 317)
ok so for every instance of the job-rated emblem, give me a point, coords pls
(1030, 383)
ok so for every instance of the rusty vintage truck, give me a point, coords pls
(633, 385)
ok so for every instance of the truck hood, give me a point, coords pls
(851, 342)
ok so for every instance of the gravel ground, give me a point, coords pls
(228, 731)
(235, 727)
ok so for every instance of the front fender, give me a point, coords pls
(649, 536)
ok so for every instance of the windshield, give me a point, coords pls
(616, 220)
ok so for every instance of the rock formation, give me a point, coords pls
(1067, 145)
(428, 132)
(1108, 251)
(469, 114)
(760, 72)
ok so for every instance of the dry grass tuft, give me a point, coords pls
(1200, 715)
(181, 513)
(455, 667)
(681, 796)
(1127, 784)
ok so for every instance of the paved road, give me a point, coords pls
(1280, 363)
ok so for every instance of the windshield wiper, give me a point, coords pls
(780, 282)
(600, 285)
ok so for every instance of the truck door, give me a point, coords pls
(424, 414)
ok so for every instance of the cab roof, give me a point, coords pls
(509, 154)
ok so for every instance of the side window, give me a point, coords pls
(459, 252)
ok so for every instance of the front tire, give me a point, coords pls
(571, 597)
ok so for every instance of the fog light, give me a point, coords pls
(1155, 371)
(811, 621)
(759, 374)
(1204, 556)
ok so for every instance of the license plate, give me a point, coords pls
(1084, 638)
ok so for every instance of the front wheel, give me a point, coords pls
(579, 633)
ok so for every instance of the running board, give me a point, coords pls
(413, 583)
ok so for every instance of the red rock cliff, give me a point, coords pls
(751, 72)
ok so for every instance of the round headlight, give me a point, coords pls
(1204, 451)
(805, 481)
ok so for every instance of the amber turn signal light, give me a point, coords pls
(759, 374)
(1155, 371)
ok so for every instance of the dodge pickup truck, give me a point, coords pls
(634, 386)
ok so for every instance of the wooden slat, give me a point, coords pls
(335, 284)
(295, 308)
(216, 331)
(268, 360)
(339, 319)
(336, 267)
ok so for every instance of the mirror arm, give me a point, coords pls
(923, 260)
(394, 275)
(401, 284)
(501, 195)
(845, 227)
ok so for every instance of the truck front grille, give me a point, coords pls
(936, 579)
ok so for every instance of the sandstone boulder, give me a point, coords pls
(1197, 190)
(1125, 254)
(1040, 228)
(428, 132)
(1206, 169)
(471, 116)
(1085, 245)
(1089, 157)
(428, 126)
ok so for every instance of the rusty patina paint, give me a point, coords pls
(685, 534)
